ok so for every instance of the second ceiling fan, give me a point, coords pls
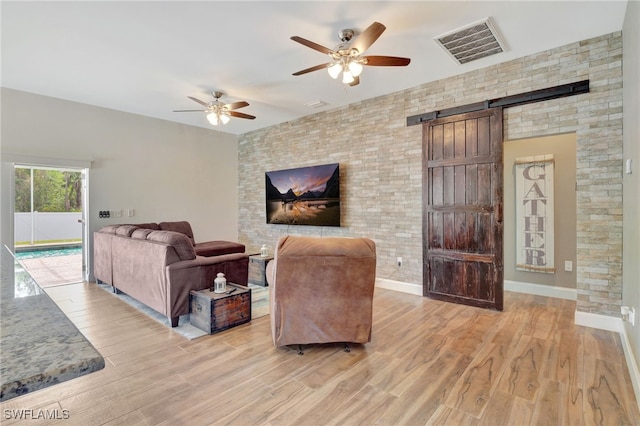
(217, 112)
(347, 56)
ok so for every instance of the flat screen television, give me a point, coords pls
(304, 196)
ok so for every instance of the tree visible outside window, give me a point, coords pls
(56, 212)
(53, 190)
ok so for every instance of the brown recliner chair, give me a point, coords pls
(322, 290)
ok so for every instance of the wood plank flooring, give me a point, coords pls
(429, 362)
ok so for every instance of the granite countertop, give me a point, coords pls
(39, 345)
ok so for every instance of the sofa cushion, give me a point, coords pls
(141, 233)
(179, 241)
(183, 227)
(109, 229)
(217, 248)
(126, 230)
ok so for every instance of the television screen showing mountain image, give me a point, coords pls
(304, 196)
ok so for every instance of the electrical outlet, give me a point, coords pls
(399, 261)
(628, 314)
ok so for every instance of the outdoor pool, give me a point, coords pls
(50, 252)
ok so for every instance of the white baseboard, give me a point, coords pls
(399, 286)
(601, 322)
(515, 286)
(541, 290)
(634, 372)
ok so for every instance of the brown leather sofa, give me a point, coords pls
(159, 268)
(321, 290)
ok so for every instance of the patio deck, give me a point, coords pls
(55, 270)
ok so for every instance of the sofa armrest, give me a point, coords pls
(218, 248)
(198, 274)
(234, 266)
(205, 261)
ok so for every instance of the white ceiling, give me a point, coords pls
(147, 57)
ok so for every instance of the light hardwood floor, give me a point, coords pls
(429, 362)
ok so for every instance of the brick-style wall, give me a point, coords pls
(380, 160)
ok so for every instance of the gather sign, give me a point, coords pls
(534, 213)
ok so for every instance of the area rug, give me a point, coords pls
(259, 308)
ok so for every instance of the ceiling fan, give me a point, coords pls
(217, 112)
(346, 57)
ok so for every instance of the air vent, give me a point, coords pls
(315, 104)
(475, 41)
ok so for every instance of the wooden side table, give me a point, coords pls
(214, 312)
(258, 269)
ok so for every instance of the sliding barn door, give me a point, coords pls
(462, 209)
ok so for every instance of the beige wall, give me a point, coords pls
(163, 170)
(563, 148)
(631, 149)
(380, 160)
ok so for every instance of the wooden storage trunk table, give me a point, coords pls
(214, 312)
(258, 269)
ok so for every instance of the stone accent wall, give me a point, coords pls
(380, 160)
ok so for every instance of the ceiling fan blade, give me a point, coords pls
(316, 68)
(236, 105)
(314, 46)
(368, 37)
(355, 82)
(240, 115)
(188, 110)
(197, 100)
(386, 61)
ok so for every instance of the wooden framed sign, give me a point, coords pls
(534, 214)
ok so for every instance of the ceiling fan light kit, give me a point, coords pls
(218, 117)
(350, 68)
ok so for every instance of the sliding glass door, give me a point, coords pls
(49, 222)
